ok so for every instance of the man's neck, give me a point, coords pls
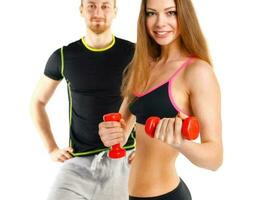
(99, 41)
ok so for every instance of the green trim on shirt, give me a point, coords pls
(62, 62)
(101, 49)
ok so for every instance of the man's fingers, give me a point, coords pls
(114, 130)
(69, 149)
(112, 136)
(109, 124)
(113, 142)
(61, 158)
(109, 131)
(67, 155)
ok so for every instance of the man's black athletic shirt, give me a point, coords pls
(93, 77)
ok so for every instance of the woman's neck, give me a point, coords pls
(171, 52)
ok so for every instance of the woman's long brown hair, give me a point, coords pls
(191, 41)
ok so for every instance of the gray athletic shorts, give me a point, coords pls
(92, 178)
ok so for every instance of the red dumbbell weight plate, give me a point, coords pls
(190, 128)
(112, 117)
(151, 124)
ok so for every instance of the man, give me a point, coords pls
(93, 68)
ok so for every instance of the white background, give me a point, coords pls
(31, 30)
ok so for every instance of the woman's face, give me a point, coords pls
(161, 21)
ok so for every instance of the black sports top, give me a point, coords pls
(93, 77)
(157, 101)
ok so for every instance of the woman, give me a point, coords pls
(171, 77)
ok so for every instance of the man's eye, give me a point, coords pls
(91, 6)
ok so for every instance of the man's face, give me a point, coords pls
(98, 14)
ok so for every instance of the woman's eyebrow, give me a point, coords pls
(164, 9)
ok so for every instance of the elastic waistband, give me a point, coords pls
(180, 192)
(96, 152)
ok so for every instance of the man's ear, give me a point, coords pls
(116, 11)
(80, 9)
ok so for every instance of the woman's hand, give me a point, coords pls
(169, 131)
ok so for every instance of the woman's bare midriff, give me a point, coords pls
(153, 171)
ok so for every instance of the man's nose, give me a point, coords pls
(98, 11)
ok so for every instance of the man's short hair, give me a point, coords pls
(114, 3)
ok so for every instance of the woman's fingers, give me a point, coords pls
(169, 131)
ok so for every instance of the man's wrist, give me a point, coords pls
(52, 148)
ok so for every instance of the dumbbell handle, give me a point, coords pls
(190, 127)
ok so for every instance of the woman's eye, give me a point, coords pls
(148, 14)
(171, 13)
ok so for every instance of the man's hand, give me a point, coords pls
(112, 133)
(61, 155)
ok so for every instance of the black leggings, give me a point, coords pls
(181, 192)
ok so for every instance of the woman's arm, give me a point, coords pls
(204, 93)
(205, 102)
(129, 119)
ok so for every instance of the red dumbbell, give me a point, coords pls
(116, 151)
(190, 127)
